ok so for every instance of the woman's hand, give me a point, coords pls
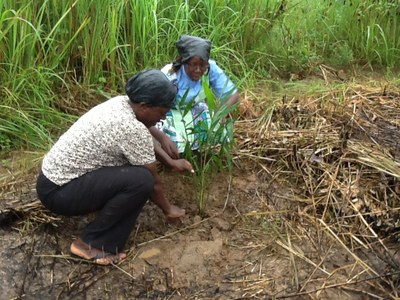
(181, 165)
(174, 212)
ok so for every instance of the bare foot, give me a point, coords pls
(98, 256)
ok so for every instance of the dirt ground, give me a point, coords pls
(240, 250)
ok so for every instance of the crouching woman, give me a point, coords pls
(105, 163)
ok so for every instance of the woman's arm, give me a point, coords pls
(158, 195)
(222, 85)
(166, 143)
(161, 155)
(233, 99)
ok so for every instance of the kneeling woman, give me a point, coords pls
(190, 69)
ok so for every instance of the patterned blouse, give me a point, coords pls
(107, 135)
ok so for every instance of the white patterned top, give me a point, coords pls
(107, 135)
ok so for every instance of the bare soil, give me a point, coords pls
(238, 251)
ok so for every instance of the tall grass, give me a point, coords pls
(53, 50)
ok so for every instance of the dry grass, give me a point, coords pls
(336, 156)
(18, 199)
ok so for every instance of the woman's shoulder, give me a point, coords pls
(216, 71)
(214, 67)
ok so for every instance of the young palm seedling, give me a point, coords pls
(208, 143)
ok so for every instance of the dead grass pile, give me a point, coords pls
(336, 155)
(19, 205)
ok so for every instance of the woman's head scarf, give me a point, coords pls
(151, 87)
(189, 46)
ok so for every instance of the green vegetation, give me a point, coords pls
(54, 54)
(211, 137)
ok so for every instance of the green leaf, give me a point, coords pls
(210, 98)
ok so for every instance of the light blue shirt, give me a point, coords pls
(219, 82)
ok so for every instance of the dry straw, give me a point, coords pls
(337, 157)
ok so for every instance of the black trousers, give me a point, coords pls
(117, 194)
